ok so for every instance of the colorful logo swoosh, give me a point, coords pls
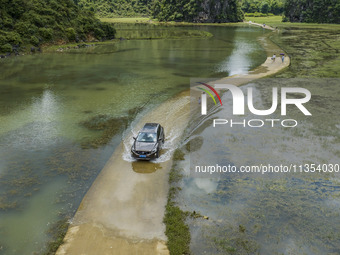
(212, 89)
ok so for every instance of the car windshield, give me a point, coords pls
(147, 137)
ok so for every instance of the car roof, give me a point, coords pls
(150, 127)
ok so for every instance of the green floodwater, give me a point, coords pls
(254, 213)
(63, 114)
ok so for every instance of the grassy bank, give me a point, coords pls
(68, 47)
(126, 30)
(270, 20)
(177, 230)
(170, 23)
(126, 20)
(276, 21)
(57, 233)
(160, 33)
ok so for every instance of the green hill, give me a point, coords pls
(118, 8)
(198, 10)
(313, 11)
(263, 7)
(168, 10)
(36, 22)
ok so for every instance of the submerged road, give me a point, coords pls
(122, 213)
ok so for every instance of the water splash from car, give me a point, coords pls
(173, 115)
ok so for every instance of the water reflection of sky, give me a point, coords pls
(238, 61)
(39, 124)
(44, 112)
(45, 107)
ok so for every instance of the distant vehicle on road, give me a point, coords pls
(148, 142)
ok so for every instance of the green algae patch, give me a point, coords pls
(178, 155)
(108, 126)
(5, 204)
(194, 144)
(16, 189)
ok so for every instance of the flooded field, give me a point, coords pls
(63, 114)
(270, 213)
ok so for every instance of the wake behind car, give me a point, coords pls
(148, 142)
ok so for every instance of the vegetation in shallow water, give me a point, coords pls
(108, 126)
(6, 204)
(16, 188)
(175, 176)
(276, 210)
(177, 230)
(156, 31)
(314, 51)
(65, 159)
(57, 232)
(324, 100)
(178, 155)
(194, 144)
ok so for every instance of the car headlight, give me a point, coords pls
(154, 150)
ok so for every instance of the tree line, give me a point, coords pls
(319, 11)
(312, 11)
(198, 10)
(36, 22)
(168, 10)
(117, 8)
(265, 7)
